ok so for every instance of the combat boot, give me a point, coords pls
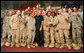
(68, 46)
(23, 44)
(32, 45)
(57, 45)
(2, 43)
(62, 46)
(7, 44)
(17, 44)
(28, 46)
(75, 46)
(80, 45)
(46, 45)
(51, 45)
(36, 44)
(12, 44)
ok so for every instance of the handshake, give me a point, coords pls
(49, 23)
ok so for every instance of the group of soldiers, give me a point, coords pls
(62, 28)
(16, 28)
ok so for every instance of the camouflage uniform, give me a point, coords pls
(50, 30)
(81, 16)
(76, 33)
(3, 39)
(46, 33)
(4, 30)
(57, 39)
(8, 30)
(25, 28)
(14, 22)
(62, 29)
(22, 31)
(30, 30)
(5, 27)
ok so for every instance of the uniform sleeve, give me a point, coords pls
(25, 20)
(69, 19)
(55, 21)
(10, 22)
(52, 19)
(4, 20)
(79, 21)
(45, 22)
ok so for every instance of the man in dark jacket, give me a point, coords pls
(39, 29)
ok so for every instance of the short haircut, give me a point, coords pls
(48, 12)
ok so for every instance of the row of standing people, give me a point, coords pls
(43, 29)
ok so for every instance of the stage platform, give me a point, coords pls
(37, 49)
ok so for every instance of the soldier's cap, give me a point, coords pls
(48, 12)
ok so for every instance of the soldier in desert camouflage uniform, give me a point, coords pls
(5, 32)
(22, 30)
(14, 22)
(62, 29)
(8, 28)
(46, 34)
(30, 29)
(50, 29)
(3, 39)
(76, 29)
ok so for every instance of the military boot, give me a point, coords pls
(7, 44)
(62, 46)
(57, 45)
(32, 45)
(75, 46)
(17, 44)
(68, 46)
(12, 44)
(23, 44)
(28, 46)
(2, 43)
(36, 44)
(46, 45)
(51, 45)
(80, 45)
